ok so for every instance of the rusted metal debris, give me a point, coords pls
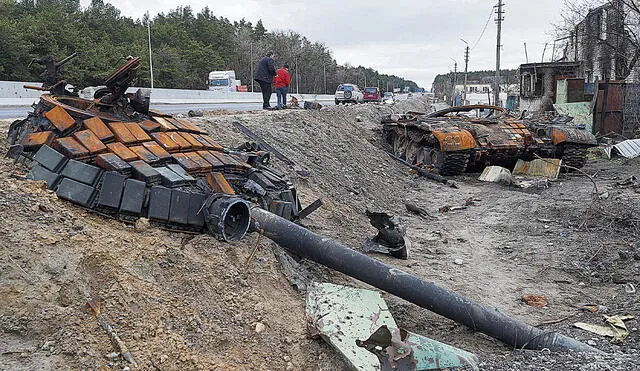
(144, 163)
(468, 138)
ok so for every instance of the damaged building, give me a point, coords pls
(538, 83)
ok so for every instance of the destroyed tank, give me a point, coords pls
(115, 156)
(468, 138)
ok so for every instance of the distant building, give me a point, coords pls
(483, 93)
(602, 42)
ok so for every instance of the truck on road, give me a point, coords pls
(223, 81)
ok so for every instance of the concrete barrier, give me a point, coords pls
(12, 93)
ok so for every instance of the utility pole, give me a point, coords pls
(496, 90)
(149, 36)
(455, 81)
(526, 56)
(466, 70)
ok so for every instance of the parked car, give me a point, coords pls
(388, 97)
(348, 93)
(372, 94)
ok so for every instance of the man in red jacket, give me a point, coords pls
(281, 82)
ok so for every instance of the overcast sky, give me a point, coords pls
(414, 39)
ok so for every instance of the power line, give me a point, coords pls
(484, 29)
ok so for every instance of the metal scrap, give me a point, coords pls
(391, 237)
(629, 148)
(540, 167)
(354, 321)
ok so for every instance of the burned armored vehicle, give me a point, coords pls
(468, 138)
(115, 156)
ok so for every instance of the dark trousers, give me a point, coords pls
(266, 93)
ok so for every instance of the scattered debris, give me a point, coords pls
(540, 168)
(496, 174)
(391, 237)
(446, 209)
(411, 207)
(629, 148)
(629, 288)
(195, 113)
(246, 131)
(94, 307)
(535, 300)
(312, 105)
(427, 174)
(401, 350)
(616, 328)
(344, 316)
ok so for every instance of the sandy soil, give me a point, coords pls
(190, 302)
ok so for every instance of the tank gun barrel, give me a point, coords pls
(426, 294)
(66, 59)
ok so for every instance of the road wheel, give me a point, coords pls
(347, 94)
(337, 102)
(447, 163)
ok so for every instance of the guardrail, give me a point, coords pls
(12, 93)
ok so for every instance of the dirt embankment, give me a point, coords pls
(190, 302)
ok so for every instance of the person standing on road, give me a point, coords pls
(264, 75)
(281, 82)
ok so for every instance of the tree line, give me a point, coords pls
(185, 47)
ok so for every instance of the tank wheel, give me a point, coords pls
(448, 163)
(574, 155)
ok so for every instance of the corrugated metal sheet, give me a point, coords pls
(629, 148)
(541, 167)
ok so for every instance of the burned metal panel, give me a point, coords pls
(34, 141)
(70, 147)
(122, 151)
(541, 167)
(112, 162)
(342, 315)
(50, 158)
(99, 128)
(90, 141)
(62, 120)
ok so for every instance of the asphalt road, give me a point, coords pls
(16, 112)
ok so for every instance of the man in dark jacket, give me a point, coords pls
(265, 72)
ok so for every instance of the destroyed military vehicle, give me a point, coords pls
(115, 156)
(468, 138)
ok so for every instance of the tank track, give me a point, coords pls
(455, 162)
(574, 155)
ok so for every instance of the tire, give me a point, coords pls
(347, 94)
(337, 102)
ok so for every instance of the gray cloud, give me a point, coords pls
(412, 39)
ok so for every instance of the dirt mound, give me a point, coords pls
(190, 302)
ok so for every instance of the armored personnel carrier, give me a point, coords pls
(468, 138)
(115, 156)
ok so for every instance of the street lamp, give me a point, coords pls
(466, 65)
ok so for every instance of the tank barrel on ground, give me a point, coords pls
(426, 294)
